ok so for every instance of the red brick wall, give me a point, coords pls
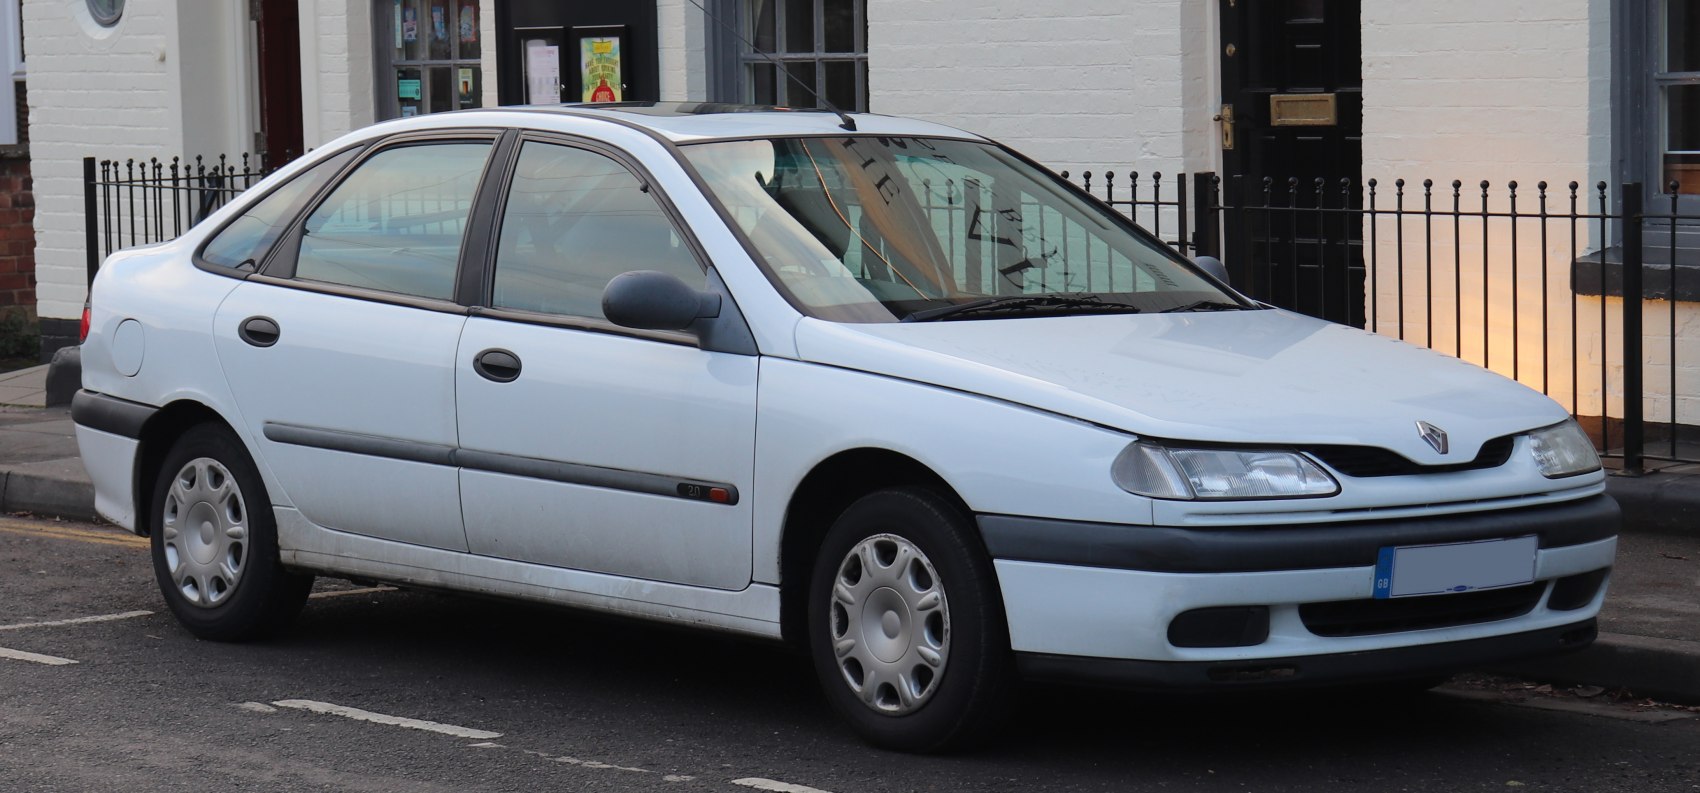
(17, 219)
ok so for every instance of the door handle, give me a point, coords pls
(259, 331)
(498, 365)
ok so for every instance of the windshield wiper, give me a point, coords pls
(1018, 303)
(1203, 305)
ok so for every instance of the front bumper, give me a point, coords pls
(1082, 599)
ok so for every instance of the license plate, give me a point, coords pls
(1411, 570)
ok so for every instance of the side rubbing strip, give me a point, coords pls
(512, 465)
(592, 476)
(355, 443)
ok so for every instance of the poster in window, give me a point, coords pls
(439, 24)
(542, 72)
(410, 24)
(601, 72)
(467, 79)
(468, 23)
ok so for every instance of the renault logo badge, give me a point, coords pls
(1435, 436)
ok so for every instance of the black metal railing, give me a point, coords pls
(139, 202)
(1525, 282)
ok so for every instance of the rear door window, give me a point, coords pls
(396, 223)
(244, 243)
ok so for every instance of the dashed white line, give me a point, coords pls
(337, 593)
(775, 786)
(256, 707)
(76, 621)
(381, 718)
(20, 655)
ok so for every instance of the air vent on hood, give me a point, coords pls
(1374, 461)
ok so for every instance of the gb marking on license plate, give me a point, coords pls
(1446, 568)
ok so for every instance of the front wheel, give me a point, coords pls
(906, 624)
(214, 541)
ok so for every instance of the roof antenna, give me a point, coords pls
(848, 122)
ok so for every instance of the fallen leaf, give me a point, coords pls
(1588, 691)
(1513, 783)
(1673, 556)
(1543, 689)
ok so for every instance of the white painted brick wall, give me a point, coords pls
(337, 63)
(92, 91)
(1496, 91)
(1079, 85)
(682, 51)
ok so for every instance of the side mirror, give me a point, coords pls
(651, 300)
(1213, 266)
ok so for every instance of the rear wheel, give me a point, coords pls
(214, 541)
(906, 624)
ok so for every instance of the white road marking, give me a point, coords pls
(256, 707)
(775, 786)
(20, 655)
(678, 778)
(380, 718)
(485, 745)
(77, 621)
(598, 765)
(336, 593)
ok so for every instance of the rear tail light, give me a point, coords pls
(83, 327)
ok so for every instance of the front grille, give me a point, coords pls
(1368, 617)
(1375, 461)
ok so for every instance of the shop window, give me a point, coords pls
(428, 52)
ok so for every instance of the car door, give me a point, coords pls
(341, 354)
(586, 445)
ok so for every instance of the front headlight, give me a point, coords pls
(1563, 450)
(1159, 472)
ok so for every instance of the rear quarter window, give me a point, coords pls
(244, 243)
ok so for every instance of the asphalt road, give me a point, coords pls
(582, 703)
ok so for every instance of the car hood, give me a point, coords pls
(1268, 376)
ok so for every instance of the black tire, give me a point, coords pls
(971, 693)
(264, 596)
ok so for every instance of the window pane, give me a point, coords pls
(762, 24)
(437, 28)
(248, 238)
(1682, 37)
(410, 30)
(840, 25)
(761, 88)
(803, 94)
(574, 220)
(841, 84)
(1682, 137)
(466, 32)
(410, 92)
(395, 224)
(439, 83)
(800, 25)
(469, 86)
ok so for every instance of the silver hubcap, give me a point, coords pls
(206, 532)
(890, 624)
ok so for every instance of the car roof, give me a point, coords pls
(683, 122)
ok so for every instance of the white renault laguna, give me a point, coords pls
(877, 387)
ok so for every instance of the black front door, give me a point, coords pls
(1292, 139)
(576, 51)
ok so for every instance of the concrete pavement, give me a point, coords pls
(1649, 630)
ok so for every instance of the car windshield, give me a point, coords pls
(877, 229)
